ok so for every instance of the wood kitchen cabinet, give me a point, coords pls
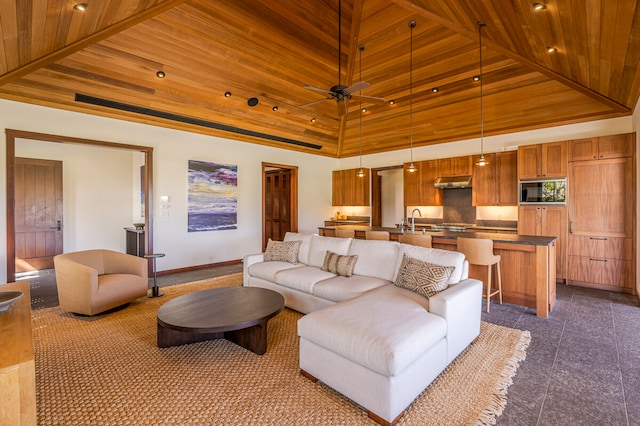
(549, 221)
(602, 148)
(541, 161)
(418, 185)
(348, 189)
(495, 184)
(455, 166)
(602, 201)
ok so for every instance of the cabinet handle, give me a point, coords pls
(571, 227)
(597, 260)
(598, 238)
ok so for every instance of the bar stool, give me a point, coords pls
(479, 251)
(422, 240)
(376, 235)
(345, 233)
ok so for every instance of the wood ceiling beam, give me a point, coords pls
(356, 19)
(414, 5)
(78, 45)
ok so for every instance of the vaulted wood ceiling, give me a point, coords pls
(104, 61)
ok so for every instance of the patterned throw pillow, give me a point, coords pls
(424, 278)
(339, 264)
(283, 251)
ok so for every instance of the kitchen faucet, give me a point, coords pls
(413, 220)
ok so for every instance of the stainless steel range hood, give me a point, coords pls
(453, 182)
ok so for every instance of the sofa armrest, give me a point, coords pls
(461, 306)
(249, 260)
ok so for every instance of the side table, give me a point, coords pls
(154, 290)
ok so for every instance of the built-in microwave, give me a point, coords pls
(547, 191)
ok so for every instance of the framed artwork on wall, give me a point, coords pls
(213, 196)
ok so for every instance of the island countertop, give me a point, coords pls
(394, 233)
(528, 262)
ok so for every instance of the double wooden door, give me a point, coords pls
(279, 203)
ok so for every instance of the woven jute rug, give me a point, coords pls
(107, 370)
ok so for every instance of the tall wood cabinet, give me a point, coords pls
(547, 221)
(601, 193)
(349, 189)
(541, 161)
(495, 184)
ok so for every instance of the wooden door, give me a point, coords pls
(583, 149)
(277, 219)
(529, 161)
(529, 220)
(601, 197)
(554, 159)
(38, 213)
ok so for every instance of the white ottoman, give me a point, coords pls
(381, 349)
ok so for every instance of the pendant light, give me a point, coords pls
(482, 161)
(361, 171)
(412, 167)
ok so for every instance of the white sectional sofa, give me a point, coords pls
(377, 343)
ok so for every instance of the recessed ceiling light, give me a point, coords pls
(160, 74)
(476, 78)
(313, 120)
(227, 94)
(551, 49)
(275, 108)
(539, 6)
(435, 90)
(80, 6)
(392, 102)
(364, 110)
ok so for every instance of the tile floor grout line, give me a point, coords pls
(555, 359)
(615, 334)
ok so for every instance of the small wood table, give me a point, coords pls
(238, 314)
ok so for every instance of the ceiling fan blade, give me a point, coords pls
(370, 99)
(342, 108)
(317, 89)
(315, 102)
(357, 87)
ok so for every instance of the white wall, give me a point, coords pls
(172, 151)
(392, 196)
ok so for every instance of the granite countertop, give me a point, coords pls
(495, 236)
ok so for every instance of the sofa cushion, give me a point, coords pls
(303, 252)
(424, 278)
(284, 251)
(339, 264)
(435, 256)
(385, 329)
(338, 289)
(269, 270)
(319, 246)
(303, 278)
(375, 258)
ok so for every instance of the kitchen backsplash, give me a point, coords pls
(457, 206)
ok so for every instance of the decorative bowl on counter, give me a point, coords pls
(7, 298)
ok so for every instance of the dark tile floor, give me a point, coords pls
(582, 366)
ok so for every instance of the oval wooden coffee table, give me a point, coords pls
(238, 314)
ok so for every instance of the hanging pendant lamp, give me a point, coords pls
(481, 161)
(412, 167)
(361, 171)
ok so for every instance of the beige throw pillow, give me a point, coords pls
(421, 277)
(283, 251)
(339, 264)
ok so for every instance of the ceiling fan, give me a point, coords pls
(341, 93)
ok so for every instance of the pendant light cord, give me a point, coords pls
(412, 25)
(361, 48)
(480, 25)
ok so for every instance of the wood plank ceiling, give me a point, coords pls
(104, 61)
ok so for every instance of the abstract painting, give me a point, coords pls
(213, 196)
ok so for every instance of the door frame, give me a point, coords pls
(376, 194)
(293, 199)
(12, 135)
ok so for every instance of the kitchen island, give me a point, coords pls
(528, 262)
